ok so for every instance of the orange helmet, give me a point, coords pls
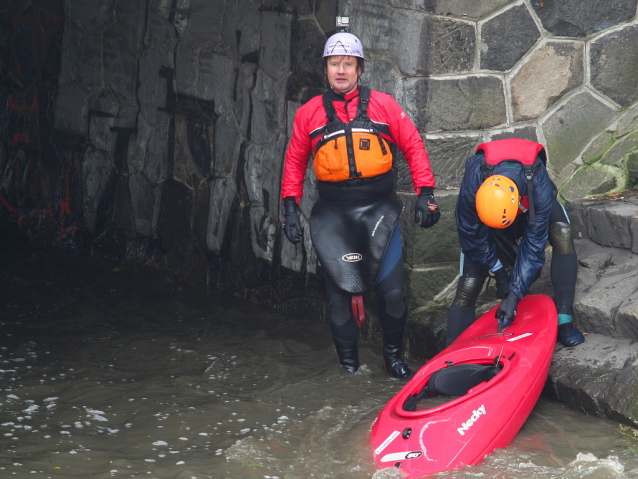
(497, 201)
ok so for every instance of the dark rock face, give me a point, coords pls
(576, 18)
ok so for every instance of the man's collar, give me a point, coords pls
(334, 96)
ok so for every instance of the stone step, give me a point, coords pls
(608, 222)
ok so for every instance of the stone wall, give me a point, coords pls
(155, 130)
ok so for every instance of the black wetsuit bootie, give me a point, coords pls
(348, 354)
(392, 361)
(569, 335)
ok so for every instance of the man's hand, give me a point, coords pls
(426, 211)
(506, 311)
(292, 225)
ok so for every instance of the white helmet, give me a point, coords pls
(343, 43)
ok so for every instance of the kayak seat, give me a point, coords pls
(453, 381)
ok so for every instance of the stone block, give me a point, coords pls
(627, 317)
(240, 27)
(505, 38)
(470, 9)
(242, 97)
(71, 37)
(587, 181)
(440, 243)
(632, 166)
(268, 100)
(157, 166)
(136, 152)
(120, 65)
(422, 44)
(628, 122)
(610, 223)
(580, 18)
(97, 172)
(471, 103)
(263, 231)
(152, 92)
(130, 18)
(326, 12)
(222, 196)
(306, 63)
(552, 70)
(448, 157)
(573, 125)
(205, 20)
(71, 112)
(274, 50)
(598, 377)
(185, 166)
(386, 77)
(175, 215)
(101, 134)
(606, 280)
(371, 21)
(524, 132)
(598, 147)
(186, 65)
(620, 149)
(613, 65)
(91, 15)
(145, 202)
(159, 28)
(424, 283)
(216, 79)
(227, 143)
(272, 164)
(253, 169)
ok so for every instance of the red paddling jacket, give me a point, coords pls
(384, 124)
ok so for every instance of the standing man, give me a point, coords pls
(351, 132)
(505, 213)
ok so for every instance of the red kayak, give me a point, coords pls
(493, 380)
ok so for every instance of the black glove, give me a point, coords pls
(506, 311)
(426, 211)
(502, 282)
(292, 225)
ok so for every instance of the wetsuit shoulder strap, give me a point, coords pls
(530, 171)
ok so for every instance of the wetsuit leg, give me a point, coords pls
(392, 310)
(345, 331)
(564, 269)
(564, 264)
(462, 312)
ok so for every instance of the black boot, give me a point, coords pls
(392, 361)
(348, 354)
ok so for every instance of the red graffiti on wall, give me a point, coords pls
(22, 69)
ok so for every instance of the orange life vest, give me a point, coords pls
(351, 150)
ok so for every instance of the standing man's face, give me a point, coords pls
(343, 73)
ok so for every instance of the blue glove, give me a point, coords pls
(292, 225)
(426, 211)
(506, 311)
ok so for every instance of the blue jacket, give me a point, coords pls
(476, 237)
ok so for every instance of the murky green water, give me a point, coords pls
(120, 373)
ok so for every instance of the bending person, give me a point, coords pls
(505, 213)
(351, 131)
